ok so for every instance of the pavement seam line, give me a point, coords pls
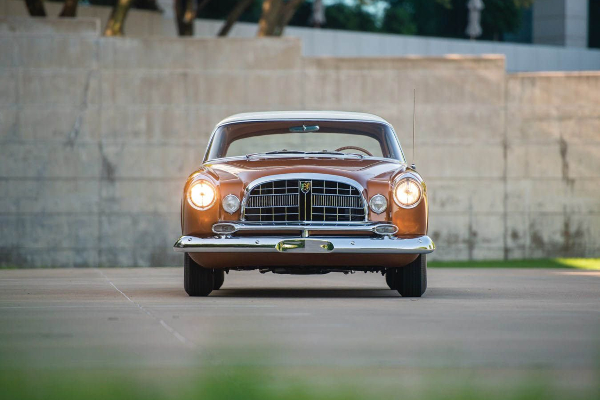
(169, 328)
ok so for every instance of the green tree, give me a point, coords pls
(399, 19)
(500, 17)
(222, 8)
(448, 18)
(303, 15)
(354, 18)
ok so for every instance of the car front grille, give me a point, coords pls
(297, 200)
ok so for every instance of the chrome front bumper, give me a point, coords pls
(313, 244)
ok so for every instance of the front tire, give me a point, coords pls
(219, 279)
(390, 278)
(197, 280)
(411, 280)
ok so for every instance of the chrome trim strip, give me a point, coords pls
(314, 245)
(304, 156)
(408, 174)
(301, 115)
(300, 176)
(305, 226)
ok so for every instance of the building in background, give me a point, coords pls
(564, 22)
(594, 24)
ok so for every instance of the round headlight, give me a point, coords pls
(407, 193)
(202, 195)
(231, 203)
(378, 204)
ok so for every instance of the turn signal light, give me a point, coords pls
(223, 228)
(385, 229)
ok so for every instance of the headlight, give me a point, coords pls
(231, 203)
(202, 195)
(378, 204)
(407, 192)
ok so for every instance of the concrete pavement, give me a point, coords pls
(137, 318)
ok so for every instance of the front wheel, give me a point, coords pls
(411, 280)
(390, 278)
(197, 280)
(219, 279)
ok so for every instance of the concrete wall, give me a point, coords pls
(98, 134)
(553, 164)
(336, 43)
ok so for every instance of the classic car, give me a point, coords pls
(304, 192)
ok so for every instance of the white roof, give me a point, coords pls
(302, 116)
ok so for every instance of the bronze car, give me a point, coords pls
(304, 193)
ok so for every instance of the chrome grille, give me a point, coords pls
(304, 200)
(273, 200)
(328, 200)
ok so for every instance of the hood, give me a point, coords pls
(361, 170)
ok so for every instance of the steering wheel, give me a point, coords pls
(355, 148)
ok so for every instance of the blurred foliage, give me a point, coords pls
(151, 5)
(399, 19)
(438, 18)
(448, 18)
(354, 18)
(441, 18)
(579, 263)
(500, 17)
(219, 9)
(575, 263)
(251, 382)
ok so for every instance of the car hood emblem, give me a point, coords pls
(305, 187)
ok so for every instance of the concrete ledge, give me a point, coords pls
(45, 26)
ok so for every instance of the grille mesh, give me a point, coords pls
(304, 200)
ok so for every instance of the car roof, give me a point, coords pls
(302, 116)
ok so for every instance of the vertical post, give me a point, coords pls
(414, 123)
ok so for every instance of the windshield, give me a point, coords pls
(365, 139)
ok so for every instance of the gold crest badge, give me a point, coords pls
(305, 187)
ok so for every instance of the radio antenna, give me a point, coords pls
(414, 121)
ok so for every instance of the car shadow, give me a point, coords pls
(438, 293)
(305, 293)
(349, 292)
